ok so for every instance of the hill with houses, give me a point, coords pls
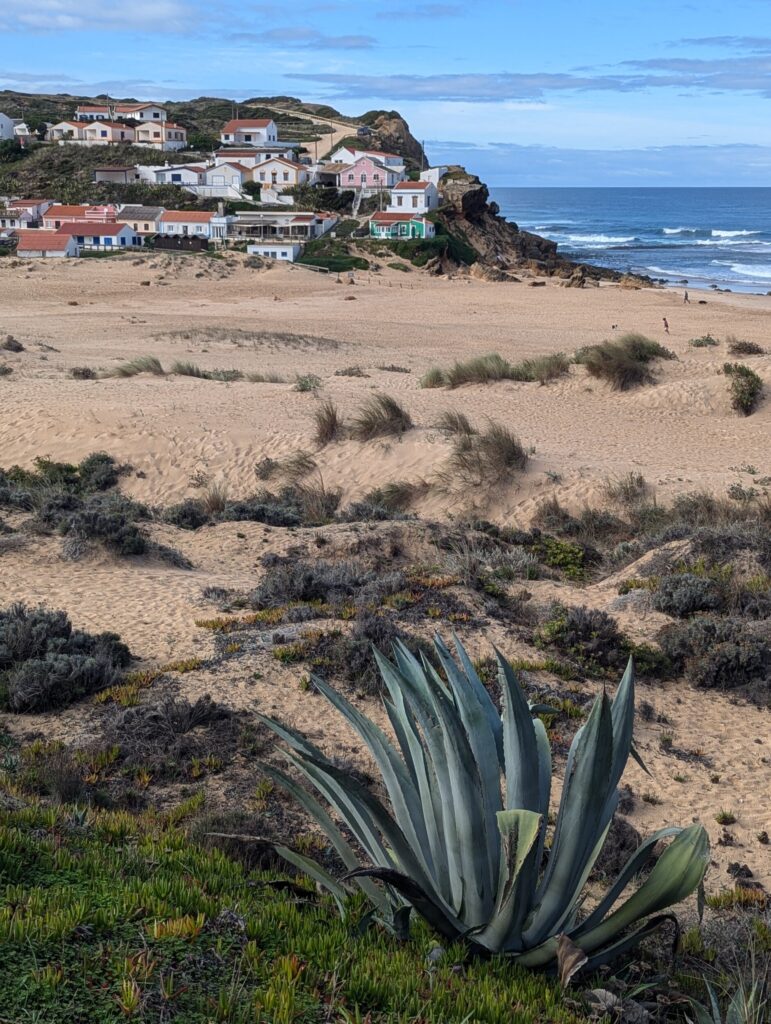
(285, 179)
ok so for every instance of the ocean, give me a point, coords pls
(707, 237)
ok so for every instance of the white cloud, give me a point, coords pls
(64, 15)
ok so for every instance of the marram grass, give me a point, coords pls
(109, 917)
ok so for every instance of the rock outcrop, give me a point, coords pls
(392, 134)
(500, 245)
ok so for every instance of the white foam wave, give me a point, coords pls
(746, 270)
(601, 239)
(732, 234)
(680, 231)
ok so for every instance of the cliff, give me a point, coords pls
(500, 245)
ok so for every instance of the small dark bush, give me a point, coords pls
(716, 652)
(491, 457)
(705, 341)
(110, 519)
(11, 344)
(289, 580)
(683, 594)
(589, 636)
(187, 515)
(83, 373)
(45, 663)
(736, 347)
(744, 386)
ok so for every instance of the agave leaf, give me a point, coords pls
(437, 916)
(413, 683)
(519, 831)
(633, 866)
(485, 701)
(675, 875)
(316, 872)
(520, 747)
(582, 818)
(629, 941)
(570, 959)
(319, 814)
(404, 797)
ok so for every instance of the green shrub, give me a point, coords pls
(433, 378)
(490, 457)
(682, 594)
(744, 386)
(142, 364)
(623, 363)
(705, 341)
(329, 425)
(743, 348)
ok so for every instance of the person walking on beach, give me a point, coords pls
(686, 299)
(666, 325)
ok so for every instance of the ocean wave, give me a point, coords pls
(601, 239)
(733, 234)
(680, 231)
(734, 243)
(748, 270)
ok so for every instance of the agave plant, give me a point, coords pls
(466, 841)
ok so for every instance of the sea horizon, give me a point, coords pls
(700, 237)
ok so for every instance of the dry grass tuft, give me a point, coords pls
(491, 457)
(142, 364)
(329, 425)
(380, 416)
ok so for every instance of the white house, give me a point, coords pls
(35, 207)
(144, 219)
(117, 175)
(287, 251)
(349, 155)
(186, 222)
(14, 220)
(232, 173)
(92, 235)
(434, 174)
(45, 243)
(280, 174)
(414, 197)
(92, 113)
(104, 133)
(163, 135)
(66, 131)
(6, 127)
(249, 132)
(140, 111)
(179, 174)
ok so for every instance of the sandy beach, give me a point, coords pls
(175, 431)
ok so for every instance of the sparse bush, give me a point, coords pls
(187, 515)
(307, 382)
(629, 489)
(744, 386)
(142, 364)
(433, 378)
(214, 499)
(11, 344)
(289, 580)
(397, 496)
(493, 367)
(45, 663)
(683, 593)
(83, 373)
(351, 371)
(5, 370)
(394, 368)
(297, 466)
(623, 363)
(736, 347)
(705, 341)
(110, 519)
(380, 416)
(490, 457)
(453, 422)
(329, 426)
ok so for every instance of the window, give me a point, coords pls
(400, 200)
(414, 202)
(156, 115)
(156, 135)
(103, 134)
(286, 175)
(351, 177)
(376, 177)
(176, 177)
(284, 254)
(262, 175)
(247, 138)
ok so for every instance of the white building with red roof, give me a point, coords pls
(414, 197)
(140, 112)
(39, 244)
(59, 214)
(94, 112)
(163, 135)
(258, 131)
(92, 235)
(280, 174)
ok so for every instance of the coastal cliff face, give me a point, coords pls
(500, 245)
(391, 134)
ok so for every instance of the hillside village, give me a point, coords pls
(252, 172)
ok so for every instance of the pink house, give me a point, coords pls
(369, 173)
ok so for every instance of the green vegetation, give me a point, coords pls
(705, 341)
(380, 416)
(475, 875)
(489, 457)
(489, 368)
(114, 916)
(745, 387)
(624, 363)
(743, 348)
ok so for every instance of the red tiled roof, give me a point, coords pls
(26, 202)
(136, 106)
(106, 124)
(91, 227)
(91, 110)
(65, 212)
(244, 125)
(170, 124)
(56, 240)
(186, 217)
(230, 163)
(409, 186)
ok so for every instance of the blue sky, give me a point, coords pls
(661, 92)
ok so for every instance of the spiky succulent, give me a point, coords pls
(466, 841)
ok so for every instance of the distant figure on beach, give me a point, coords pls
(666, 325)
(686, 299)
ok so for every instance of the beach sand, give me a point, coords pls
(679, 433)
